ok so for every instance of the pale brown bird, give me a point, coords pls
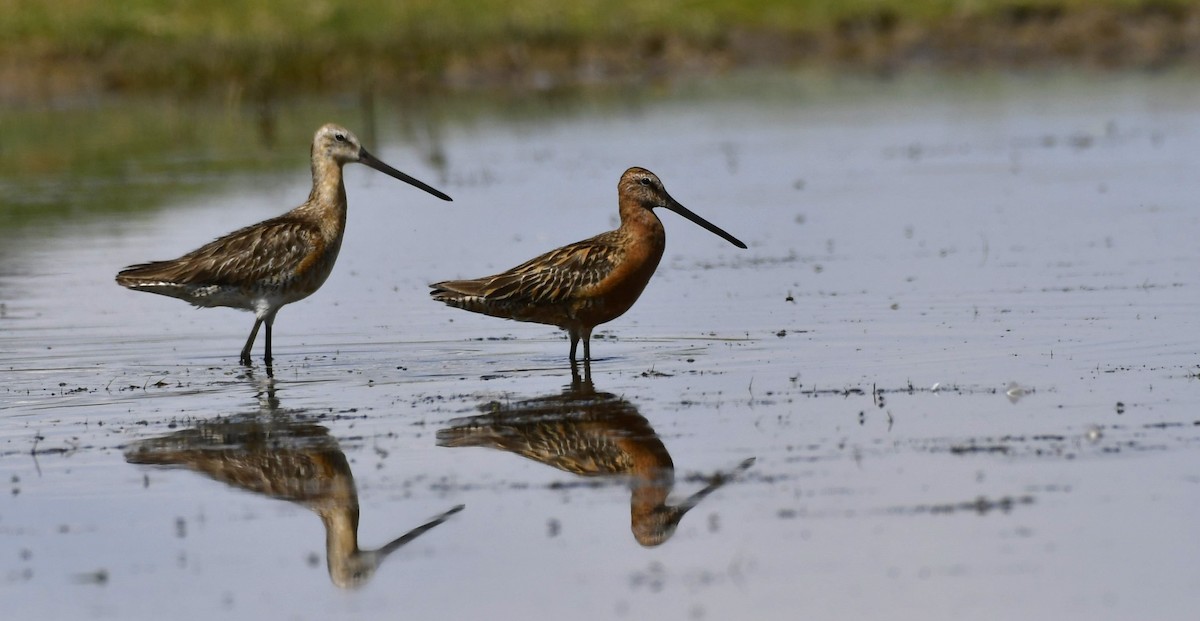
(289, 460)
(264, 266)
(585, 284)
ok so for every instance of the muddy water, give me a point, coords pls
(953, 376)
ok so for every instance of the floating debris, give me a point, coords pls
(98, 577)
(1014, 392)
(981, 505)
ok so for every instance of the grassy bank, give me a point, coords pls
(268, 46)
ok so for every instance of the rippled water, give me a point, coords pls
(954, 375)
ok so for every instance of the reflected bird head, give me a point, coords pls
(654, 524)
(654, 521)
(354, 568)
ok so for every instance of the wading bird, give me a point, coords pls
(264, 266)
(591, 434)
(278, 456)
(585, 284)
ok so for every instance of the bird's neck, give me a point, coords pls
(328, 196)
(341, 533)
(327, 187)
(640, 223)
(635, 214)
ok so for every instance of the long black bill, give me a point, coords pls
(674, 205)
(373, 162)
(416, 532)
(715, 483)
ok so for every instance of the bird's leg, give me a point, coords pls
(250, 341)
(270, 319)
(575, 342)
(267, 356)
(581, 384)
(576, 379)
(587, 345)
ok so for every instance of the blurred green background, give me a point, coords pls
(271, 46)
(113, 106)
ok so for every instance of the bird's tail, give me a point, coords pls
(145, 275)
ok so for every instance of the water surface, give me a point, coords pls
(954, 375)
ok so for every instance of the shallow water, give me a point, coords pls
(960, 351)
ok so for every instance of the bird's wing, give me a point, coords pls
(556, 276)
(275, 250)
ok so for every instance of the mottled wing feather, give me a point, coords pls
(555, 277)
(273, 251)
(569, 446)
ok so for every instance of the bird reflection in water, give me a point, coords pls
(276, 455)
(593, 434)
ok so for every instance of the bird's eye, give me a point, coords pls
(339, 137)
(645, 181)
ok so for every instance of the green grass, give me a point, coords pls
(182, 44)
(275, 21)
(90, 26)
